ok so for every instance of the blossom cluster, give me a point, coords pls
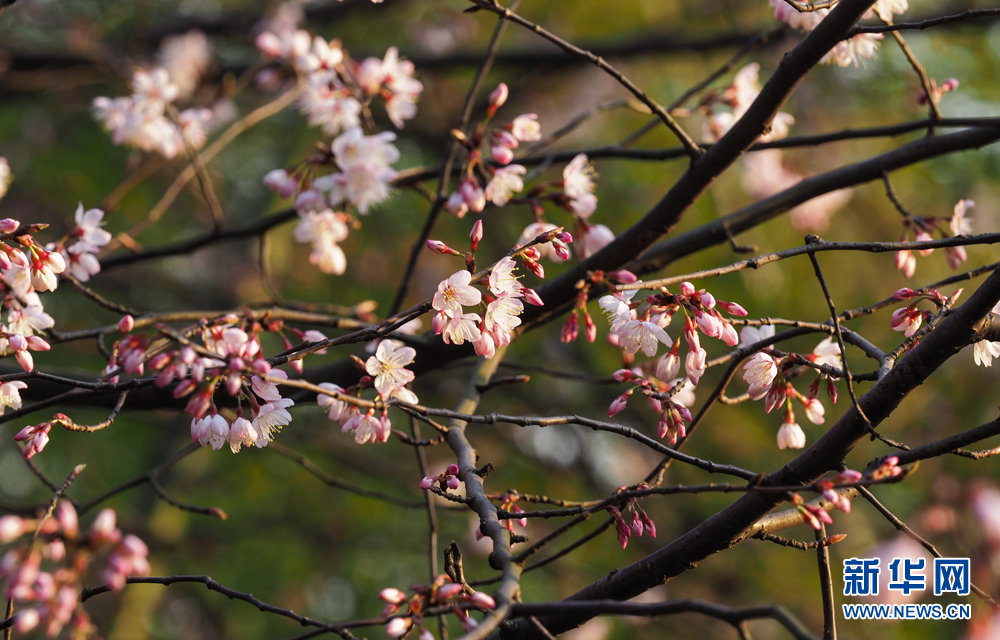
(816, 515)
(640, 521)
(502, 179)
(447, 480)
(388, 374)
(334, 90)
(229, 357)
(770, 378)
(922, 228)
(502, 301)
(442, 594)
(856, 49)
(363, 180)
(27, 270)
(141, 119)
(639, 326)
(44, 576)
(765, 173)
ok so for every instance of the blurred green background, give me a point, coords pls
(297, 543)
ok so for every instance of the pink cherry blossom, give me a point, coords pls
(456, 292)
(505, 183)
(791, 436)
(526, 128)
(388, 367)
(759, 373)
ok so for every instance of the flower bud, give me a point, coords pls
(398, 627)
(482, 601)
(452, 470)
(476, 234)
(531, 297)
(449, 590)
(498, 97)
(126, 324)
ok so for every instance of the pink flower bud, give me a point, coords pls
(482, 601)
(622, 375)
(188, 355)
(476, 234)
(452, 470)
(37, 344)
(17, 342)
(67, 518)
(392, 596)
(439, 247)
(618, 405)
(25, 360)
(447, 591)
(9, 225)
(561, 250)
(398, 627)
(453, 483)
(687, 288)
(501, 154)
(234, 382)
(498, 96)
(260, 366)
(535, 267)
(531, 297)
(427, 482)
(126, 324)
(104, 524)
(11, 528)
(733, 308)
(623, 276)
(636, 525)
(269, 44)
(565, 236)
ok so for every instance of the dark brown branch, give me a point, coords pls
(826, 585)
(652, 610)
(751, 216)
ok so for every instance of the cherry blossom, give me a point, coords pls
(594, 238)
(324, 230)
(506, 182)
(455, 292)
(642, 335)
(336, 409)
(241, 433)
(790, 435)
(907, 320)
(185, 57)
(760, 372)
(502, 317)
(502, 280)
(271, 417)
(960, 225)
(578, 183)
(10, 395)
(751, 335)
(388, 367)
(526, 128)
(460, 329)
